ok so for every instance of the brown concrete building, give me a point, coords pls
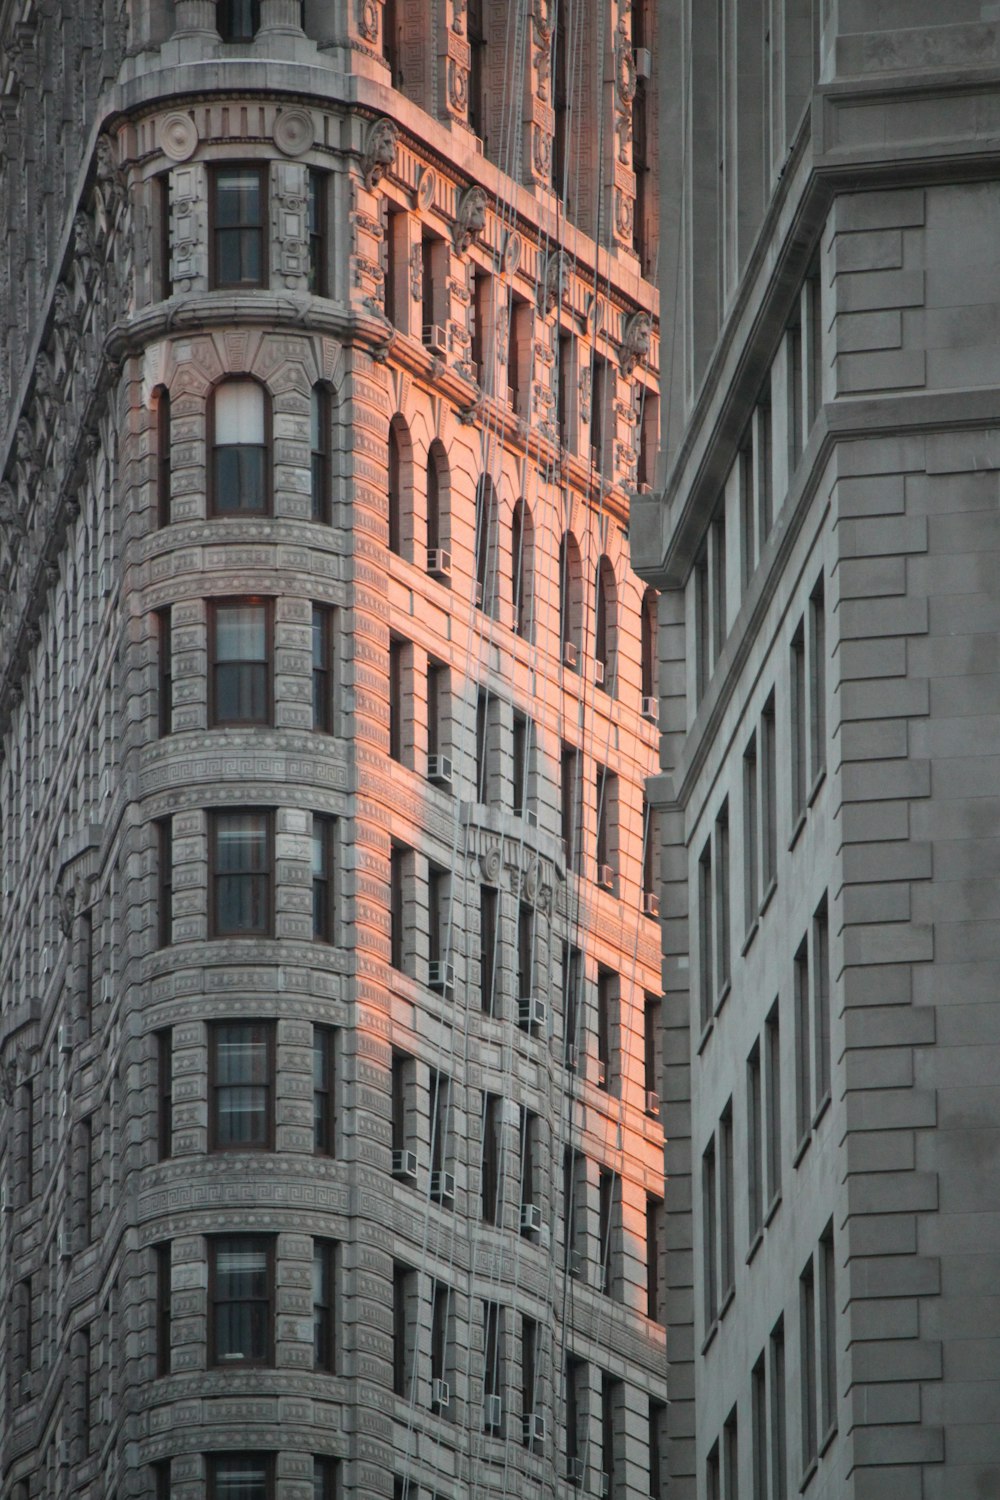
(331, 1162)
(827, 542)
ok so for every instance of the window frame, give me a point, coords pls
(266, 510)
(164, 670)
(324, 885)
(164, 464)
(266, 873)
(266, 605)
(215, 1088)
(320, 421)
(163, 1314)
(164, 881)
(317, 226)
(262, 172)
(214, 1460)
(324, 1311)
(259, 1241)
(164, 1039)
(323, 672)
(325, 1041)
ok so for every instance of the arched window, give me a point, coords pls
(237, 20)
(486, 543)
(400, 486)
(163, 456)
(319, 444)
(522, 548)
(647, 630)
(604, 624)
(570, 600)
(438, 534)
(240, 449)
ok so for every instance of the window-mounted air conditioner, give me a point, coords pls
(528, 815)
(440, 1395)
(643, 62)
(65, 1245)
(438, 562)
(570, 654)
(532, 1014)
(534, 1427)
(601, 1074)
(404, 1165)
(606, 876)
(435, 340)
(649, 708)
(652, 1102)
(492, 1412)
(531, 1218)
(440, 975)
(651, 904)
(64, 1038)
(440, 770)
(572, 1056)
(443, 1187)
(576, 1470)
(600, 671)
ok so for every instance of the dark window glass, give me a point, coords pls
(241, 1063)
(164, 671)
(319, 448)
(163, 458)
(241, 669)
(324, 1479)
(322, 668)
(162, 209)
(317, 233)
(237, 20)
(324, 1305)
(323, 882)
(234, 1476)
(324, 1078)
(163, 1308)
(238, 223)
(490, 1176)
(397, 872)
(165, 882)
(165, 1092)
(241, 874)
(239, 414)
(241, 1282)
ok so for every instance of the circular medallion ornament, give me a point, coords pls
(512, 252)
(490, 864)
(368, 20)
(178, 136)
(426, 188)
(294, 131)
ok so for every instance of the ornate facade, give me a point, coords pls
(329, 968)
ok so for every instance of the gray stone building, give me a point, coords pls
(330, 1160)
(826, 537)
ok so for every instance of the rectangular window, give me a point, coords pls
(576, 1382)
(702, 628)
(572, 980)
(324, 867)
(569, 1201)
(763, 445)
(606, 1205)
(812, 317)
(794, 353)
(482, 323)
(398, 864)
(440, 1316)
(164, 671)
(164, 464)
(87, 1143)
(723, 916)
(239, 243)
(803, 1059)
(525, 958)
(611, 1404)
(324, 1302)
(768, 800)
(706, 964)
(710, 1275)
(483, 745)
(241, 1085)
(755, 1144)
(161, 186)
(817, 683)
(529, 1157)
(240, 654)
(322, 668)
(493, 1355)
(522, 749)
(657, 1458)
(827, 1335)
(240, 1476)
(241, 1290)
(239, 424)
(316, 210)
(654, 1244)
(731, 1455)
(751, 823)
(651, 1069)
(240, 870)
(807, 1365)
(727, 1235)
(325, 1478)
(529, 1363)
(319, 454)
(713, 1479)
(758, 1417)
(821, 1003)
(717, 558)
(748, 509)
(402, 1086)
(778, 1442)
(607, 813)
(442, 1182)
(490, 1175)
(607, 1005)
(161, 1479)
(165, 882)
(404, 1291)
(568, 801)
(237, 20)
(397, 687)
(772, 1035)
(324, 1090)
(164, 1040)
(438, 740)
(799, 743)
(488, 948)
(163, 1307)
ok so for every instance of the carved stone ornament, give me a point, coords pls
(417, 274)
(512, 251)
(111, 185)
(543, 19)
(66, 911)
(8, 1082)
(585, 394)
(64, 313)
(624, 214)
(10, 514)
(555, 282)
(471, 219)
(178, 136)
(380, 151)
(426, 188)
(626, 77)
(294, 131)
(83, 244)
(636, 341)
(529, 881)
(541, 154)
(368, 20)
(458, 87)
(491, 863)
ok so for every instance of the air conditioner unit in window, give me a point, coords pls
(404, 1165)
(492, 1412)
(438, 562)
(572, 1056)
(534, 1427)
(435, 340)
(600, 670)
(601, 1074)
(64, 1038)
(606, 876)
(605, 1484)
(440, 1395)
(576, 1263)
(532, 1014)
(27, 1385)
(64, 1454)
(443, 1187)
(651, 904)
(531, 1218)
(643, 62)
(570, 654)
(528, 815)
(439, 770)
(576, 1470)
(440, 975)
(6, 1204)
(649, 708)
(652, 1102)
(65, 1245)
(643, 488)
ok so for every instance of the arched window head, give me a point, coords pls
(522, 547)
(486, 544)
(604, 624)
(400, 486)
(438, 531)
(319, 446)
(570, 600)
(237, 20)
(240, 444)
(647, 630)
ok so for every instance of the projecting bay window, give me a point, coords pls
(240, 652)
(241, 1085)
(241, 1299)
(239, 428)
(240, 874)
(239, 246)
